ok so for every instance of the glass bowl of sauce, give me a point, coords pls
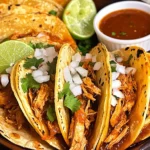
(123, 24)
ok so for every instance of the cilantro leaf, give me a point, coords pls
(112, 62)
(72, 102)
(39, 45)
(32, 62)
(113, 66)
(29, 82)
(123, 33)
(51, 115)
(64, 91)
(52, 66)
(113, 33)
(52, 12)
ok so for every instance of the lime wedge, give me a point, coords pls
(12, 51)
(78, 17)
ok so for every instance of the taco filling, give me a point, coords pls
(80, 92)
(124, 90)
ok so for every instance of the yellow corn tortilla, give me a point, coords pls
(138, 113)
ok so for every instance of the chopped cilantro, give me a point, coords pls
(52, 66)
(112, 62)
(32, 62)
(80, 63)
(123, 33)
(52, 12)
(29, 82)
(39, 45)
(70, 101)
(113, 66)
(113, 69)
(113, 33)
(91, 63)
(51, 115)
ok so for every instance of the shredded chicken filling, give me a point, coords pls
(85, 116)
(13, 113)
(118, 127)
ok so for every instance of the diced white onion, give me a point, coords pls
(41, 79)
(37, 73)
(4, 80)
(33, 67)
(94, 58)
(72, 85)
(40, 35)
(120, 69)
(76, 90)
(76, 57)
(8, 70)
(76, 78)
(38, 52)
(115, 75)
(130, 69)
(83, 72)
(119, 59)
(112, 57)
(88, 56)
(97, 65)
(44, 67)
(72, 70)
(50, 51)
(67, 75)
(116, 84)
(45, 73)
(74, 64)
(113, 101)
(118, 93)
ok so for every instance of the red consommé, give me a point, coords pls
(126, 24)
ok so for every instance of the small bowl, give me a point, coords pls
(112, 43)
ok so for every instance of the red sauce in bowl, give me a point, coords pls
(126, 24)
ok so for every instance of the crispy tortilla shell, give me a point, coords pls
(138, 113)
(14, 27)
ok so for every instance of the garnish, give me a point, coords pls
(39, 45)
(113, 66)
(32, 62)
(70, 101)
(113, 33)
(52, 12)
(51, 115)
(85, 45)
(123, 33)
(52, 66)
(29, 82)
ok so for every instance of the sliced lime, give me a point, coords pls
(78, 17)
(12, 51)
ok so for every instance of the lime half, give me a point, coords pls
(12, 51)
(78, 17)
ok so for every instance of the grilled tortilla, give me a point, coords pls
(77, 128)
(127, 118)
(31, 25)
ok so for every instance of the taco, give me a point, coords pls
(35, 25)
(14, 126)
(34, 79)
(127, 106)
(79, 88)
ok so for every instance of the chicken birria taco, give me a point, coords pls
(34, 80)
(127, 106)
(79, 88)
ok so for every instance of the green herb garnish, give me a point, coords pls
(113, 66)
(51, 115)
(52, 66)
(113, 33)
(52, 12)
(29, 82)
(123, 33)
(32, 62)
(70, 101)
(40, 45)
